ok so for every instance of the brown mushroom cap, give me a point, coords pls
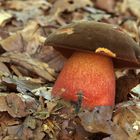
(100, 38)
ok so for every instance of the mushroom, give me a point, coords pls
(95, 49)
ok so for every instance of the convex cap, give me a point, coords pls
(100, 38)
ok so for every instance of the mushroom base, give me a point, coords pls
(89, 74)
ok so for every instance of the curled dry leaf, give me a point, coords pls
(22, 84)
(27, 133)
(131, 28)
(69, 5)
(134, 7)
(29, 40)
(3, 104)
(7, 120)
(44, 92)
(35, 66)
(4, 69)
(135, 92)
(72, 129)
(3, 34)
(32, 37)
(54, 58)
(14, 132)
(12, 43)
(23, 11)
(30, 122)
(4, 18)
(45, 109)
(26, 40)
(129, 5)
(20, 106)
(22, 5)
(127, 116)
(27, 14)
(124, 86)
(49, 128)
(107, 5)
(38, 133)
(17, 106)
(23, 132)
(98, 120)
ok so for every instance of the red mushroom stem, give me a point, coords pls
(90, 74)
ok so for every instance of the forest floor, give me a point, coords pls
(28, 70)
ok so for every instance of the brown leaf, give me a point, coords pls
(129, 5)
(24, 132)
(107, 5)
(14, 131)
(124, 86)
(12, 43)
(4, 18)
(17, 106)
(30, 122)
(3, 104)
(127, 116)
(38, 133)
(54, 58)
(69, 5)
(134, 7)
(7, 120)
(72, 129)
(21, 5)
(98, 120)
(26, 40)
(32, 37)
(27, 133)
(33, 65)
(4, 69)
(131, 28)
(3, 34)
(22, 84)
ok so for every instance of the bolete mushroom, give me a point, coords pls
(94, 49)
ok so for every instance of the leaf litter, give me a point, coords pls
(28, 70)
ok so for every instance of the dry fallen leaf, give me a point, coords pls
(27, 40)
(14, 132)
(21, 5)
(130, 5)
(131, 28)
(4, 69)
(69, 5)
(27, 14)
(17, 106)
(127, 116)
(107, 5)
(54, 58)
(22, 84)
(7, 120)
(35, 66)
(24, 33)
(135, 92)
(12, 43)
(134, 7)
(124, 86)
(95, 122)
(3, 104)
(25, 11)
(4, 18)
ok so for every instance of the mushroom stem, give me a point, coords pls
(90, 74)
